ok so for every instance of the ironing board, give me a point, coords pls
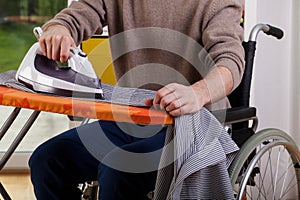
(71, 107)
(217, 147)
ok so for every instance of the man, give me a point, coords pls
(189, 51)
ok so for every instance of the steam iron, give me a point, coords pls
(47, 76)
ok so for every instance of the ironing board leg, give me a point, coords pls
(9, 122)
(15, 144)
(18, 138)
(84, 121)
(3, 192)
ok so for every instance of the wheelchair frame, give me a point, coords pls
(248, 176)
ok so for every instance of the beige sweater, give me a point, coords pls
(156, 42)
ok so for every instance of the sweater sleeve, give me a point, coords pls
(222, 36)
(83, 18)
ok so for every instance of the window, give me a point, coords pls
(17, 20)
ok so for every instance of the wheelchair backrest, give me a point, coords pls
(241, 95)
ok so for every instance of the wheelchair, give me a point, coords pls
(267, 165)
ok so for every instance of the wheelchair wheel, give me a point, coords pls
(274, 170)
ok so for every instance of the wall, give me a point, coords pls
(295, 125)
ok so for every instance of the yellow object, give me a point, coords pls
(99, 55)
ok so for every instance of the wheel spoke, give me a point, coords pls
(265, 190)
(276, 173)
(291, 184)
(271, 188)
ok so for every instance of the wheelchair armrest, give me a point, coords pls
(235, 114)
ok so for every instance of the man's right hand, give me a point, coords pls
(55, 43)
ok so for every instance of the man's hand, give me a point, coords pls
(177, 99)
(55, 43)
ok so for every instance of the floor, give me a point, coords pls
(18, 186)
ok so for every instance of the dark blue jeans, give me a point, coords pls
(124, 164)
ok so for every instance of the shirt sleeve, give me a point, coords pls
(223, 35)
(83, 18)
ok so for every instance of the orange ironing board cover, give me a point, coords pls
(82, 108)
